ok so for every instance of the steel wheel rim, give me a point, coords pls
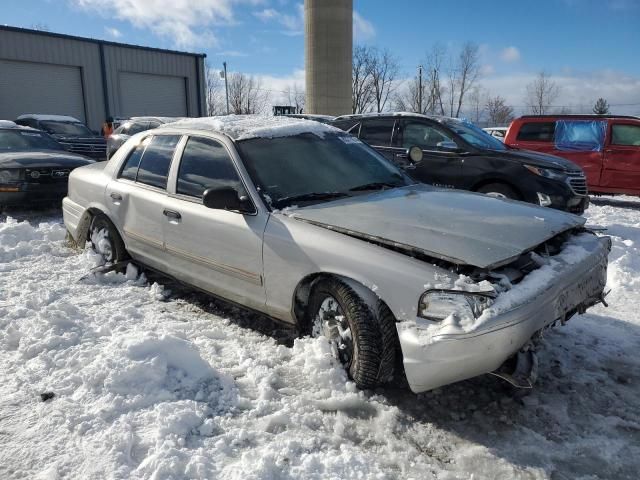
(331, 323)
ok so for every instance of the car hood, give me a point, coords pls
(537, 159)
(79, 139)
(464, 228)
(42, 158)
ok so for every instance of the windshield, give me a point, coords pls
(73, 129)
(475, 136)
(305, 168)
(27, 140)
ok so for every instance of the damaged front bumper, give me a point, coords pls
(433, 358)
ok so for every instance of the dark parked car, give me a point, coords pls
(72, 134)
(131, 127)
(607, 147)
(34, 168)
(453, 153)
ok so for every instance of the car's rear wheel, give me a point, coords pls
(106, 241)
(354, 332)
(499, 190)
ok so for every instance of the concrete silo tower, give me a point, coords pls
(328, 45)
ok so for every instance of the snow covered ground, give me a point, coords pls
(156, 384)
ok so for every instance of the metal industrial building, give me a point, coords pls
(42, 72)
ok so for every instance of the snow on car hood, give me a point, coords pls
(464, 228)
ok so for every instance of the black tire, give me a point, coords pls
(374, 337)
(106, 241)
(498, 190)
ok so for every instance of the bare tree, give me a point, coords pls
(384, 71)
(407, 97)
(362, 86)
(433, 76)
(541, 93)
(498, 111)
(215, 94)
(478, 101)
(463, 73)
(296, 97)
(246, 95)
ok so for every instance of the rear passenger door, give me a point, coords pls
(377, 132)
(217, 250)
(136, 198)
(438, 166)
(622, 157)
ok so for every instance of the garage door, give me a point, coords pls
(27, 87)
(161, 95)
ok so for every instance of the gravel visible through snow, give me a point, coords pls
(151, 380)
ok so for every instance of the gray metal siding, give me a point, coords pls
(27, 87)
(145, 94)
(118, 60)
(52, 49)
(60, 51)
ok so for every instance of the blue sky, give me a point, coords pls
(590, 46)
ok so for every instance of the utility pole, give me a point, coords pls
(419, 88)
(226, 85)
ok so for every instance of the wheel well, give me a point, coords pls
(482, 183)
(85, 224)
(305, 287)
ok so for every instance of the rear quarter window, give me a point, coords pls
(537, 132)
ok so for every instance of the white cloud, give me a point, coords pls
(232, 53)
(293, 23)
(510, 54)
(186, 22)
(363, 29)
(578, 91)
(113, 32)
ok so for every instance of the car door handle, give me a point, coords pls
(116, 197)
(172, 214)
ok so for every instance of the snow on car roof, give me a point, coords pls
(152, 117)
(439, 118)
(54, 118)
(10, 124)
(240, 127)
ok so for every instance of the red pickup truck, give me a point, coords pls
(607, 147)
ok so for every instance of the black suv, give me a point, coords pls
(457, 154)
(70, 132)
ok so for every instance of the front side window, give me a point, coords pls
(133, 128)
(418, 134)
(377, 131)
(625, 135)
(537, 132)
(306, 168)
(474, 135)
(205, 164)
(130, 168)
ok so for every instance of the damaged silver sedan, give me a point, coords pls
(309, 226)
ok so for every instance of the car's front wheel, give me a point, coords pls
(357, 335)
(106, 241)
(499, 190)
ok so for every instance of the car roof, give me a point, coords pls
(240, 127)
(310, 116)
(578, 115)
(438, 118)
(152, 118)
(54, 118)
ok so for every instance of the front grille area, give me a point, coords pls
(47, 175)
(578, 182)
(88, 149)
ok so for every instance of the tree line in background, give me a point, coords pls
(446, 84)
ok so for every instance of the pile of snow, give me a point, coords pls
(240, 127)
(150, 385)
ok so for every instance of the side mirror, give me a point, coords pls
(226, 198)
(448, 146)
(415, 154)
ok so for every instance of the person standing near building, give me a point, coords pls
(107, 127)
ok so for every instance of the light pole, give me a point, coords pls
(226, 85)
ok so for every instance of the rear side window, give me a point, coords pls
(156, 160)
(625, 135)
(377, 131)
(422, 135)
(205, 164)
(537, 132)
(136, 128)
(149, 162)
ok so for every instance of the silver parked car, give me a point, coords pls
(127, 128)
(308, 225)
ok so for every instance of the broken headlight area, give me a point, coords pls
(437, 305)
